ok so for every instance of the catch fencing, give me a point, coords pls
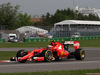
(61, 34)
(78, 31)
(65, 34)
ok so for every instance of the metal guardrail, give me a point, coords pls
(61, 39)
(2, 40)
(57, 39)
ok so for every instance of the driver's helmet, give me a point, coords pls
(49, 47)
(52, 43)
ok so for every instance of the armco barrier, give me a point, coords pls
(2, 40)
(44, 39)
(61, 39)
(85, 38)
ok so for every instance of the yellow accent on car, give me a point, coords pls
(61, 53)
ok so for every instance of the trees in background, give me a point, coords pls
(66, 14)
(12, 18)
(23, 20)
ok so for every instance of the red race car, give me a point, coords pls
(54, 51)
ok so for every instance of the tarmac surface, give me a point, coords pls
(91, 61)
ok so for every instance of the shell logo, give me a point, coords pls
(61, 53)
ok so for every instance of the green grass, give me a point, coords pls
(6, 55)
(72, 72)
(90, 43)
(22, 45)
(84, 43)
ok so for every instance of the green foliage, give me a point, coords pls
(66, 14)
(23, 20)
(8, 15)
(11, 17)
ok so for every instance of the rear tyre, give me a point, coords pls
(47, 55)
(79, 54)
(21, 53)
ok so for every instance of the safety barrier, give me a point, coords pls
(61, 39)
(2, 40)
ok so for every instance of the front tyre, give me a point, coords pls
(79, 54)
(21, 53)
(47, 55)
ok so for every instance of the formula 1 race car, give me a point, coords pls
(54, 51)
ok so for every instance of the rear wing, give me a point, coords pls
(76, 44)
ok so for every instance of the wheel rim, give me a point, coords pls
(48, 56)
(82, 54)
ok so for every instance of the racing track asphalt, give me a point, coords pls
(91, 61)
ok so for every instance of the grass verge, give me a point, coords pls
(84, 43)
(6, 55)
(71, 72)
(22, 45)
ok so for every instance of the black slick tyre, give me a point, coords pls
(79, 54)
(21, 53)
(58, 58)
(47, 55)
